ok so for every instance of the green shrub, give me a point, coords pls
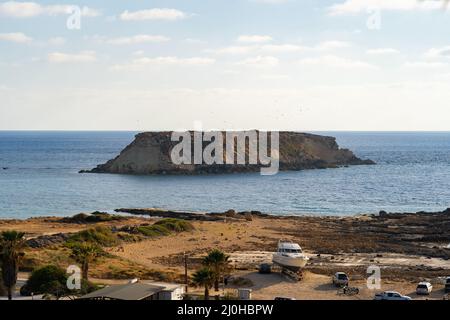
(153, 231)
(101, 236)
(94, 217)
(52, 280)
(46, 280)
(103, 217)
(165, 227)
(175, 225)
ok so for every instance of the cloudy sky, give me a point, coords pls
(225, 64)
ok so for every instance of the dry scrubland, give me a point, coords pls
(408, 247)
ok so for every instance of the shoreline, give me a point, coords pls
(151, 212)
(408, 247)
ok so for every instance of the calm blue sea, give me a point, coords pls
(413, 174)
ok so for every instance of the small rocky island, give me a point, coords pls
(150, 153)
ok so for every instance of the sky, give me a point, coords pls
(306, 65)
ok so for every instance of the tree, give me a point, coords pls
(217, 261)
(11, 246)
(48, 280)
(51, 281)
(204, 278)
(84, 254)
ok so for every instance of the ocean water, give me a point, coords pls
(412, 174)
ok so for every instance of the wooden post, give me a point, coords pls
(186, 272)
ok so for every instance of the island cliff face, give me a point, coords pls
(150, 153)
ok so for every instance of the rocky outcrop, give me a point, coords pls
(150, 153)
(47, 240)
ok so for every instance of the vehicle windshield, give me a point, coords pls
(342, 277)
(291, 250)
(422, 286)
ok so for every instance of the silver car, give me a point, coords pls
(424, 288)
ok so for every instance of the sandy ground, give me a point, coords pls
(319, 287)
(34, 227)
(407, 250)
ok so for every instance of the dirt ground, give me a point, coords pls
(319, 287)
(408, 249)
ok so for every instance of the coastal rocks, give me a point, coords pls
(210, 216)
(398, 215)
(160, 213)
(47, 240)
(150, 153)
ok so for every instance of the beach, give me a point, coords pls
(408, 247)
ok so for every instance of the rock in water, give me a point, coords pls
(150, 153)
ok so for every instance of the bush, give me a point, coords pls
(94, 217)
(175, 225)
(153, 231)
(101, 236)
(52, 280)
(46, 280)
(165, 227)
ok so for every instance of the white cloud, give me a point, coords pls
(254, 38)
(260, 61)
(153, 14)
(336, 62)
(382, 51)
(438, 52)
(332, 44)
(139, 63)
(84, 56)
(33, 9)
(362, 6)
(279, 48)
(20, 9)
(267, 48)
(55, 10)
(282, 48)
(234, 50)
(175, 61)
(425, 64)
(140, 38)
(18, 37)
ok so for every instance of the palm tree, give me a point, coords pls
(217, 261)
(204, 278)
(85, 253)
(11, 246)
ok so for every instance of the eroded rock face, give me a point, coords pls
(150, 153)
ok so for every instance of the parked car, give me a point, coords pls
(265, 268)
(447, 284)
(424, 288)
(340, 279)
(283, 298)
(391, 295)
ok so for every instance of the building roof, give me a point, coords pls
(129, 291)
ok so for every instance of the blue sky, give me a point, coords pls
(235, 64)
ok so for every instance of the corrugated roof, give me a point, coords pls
(129, 291)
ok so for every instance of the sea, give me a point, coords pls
(39, 177)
